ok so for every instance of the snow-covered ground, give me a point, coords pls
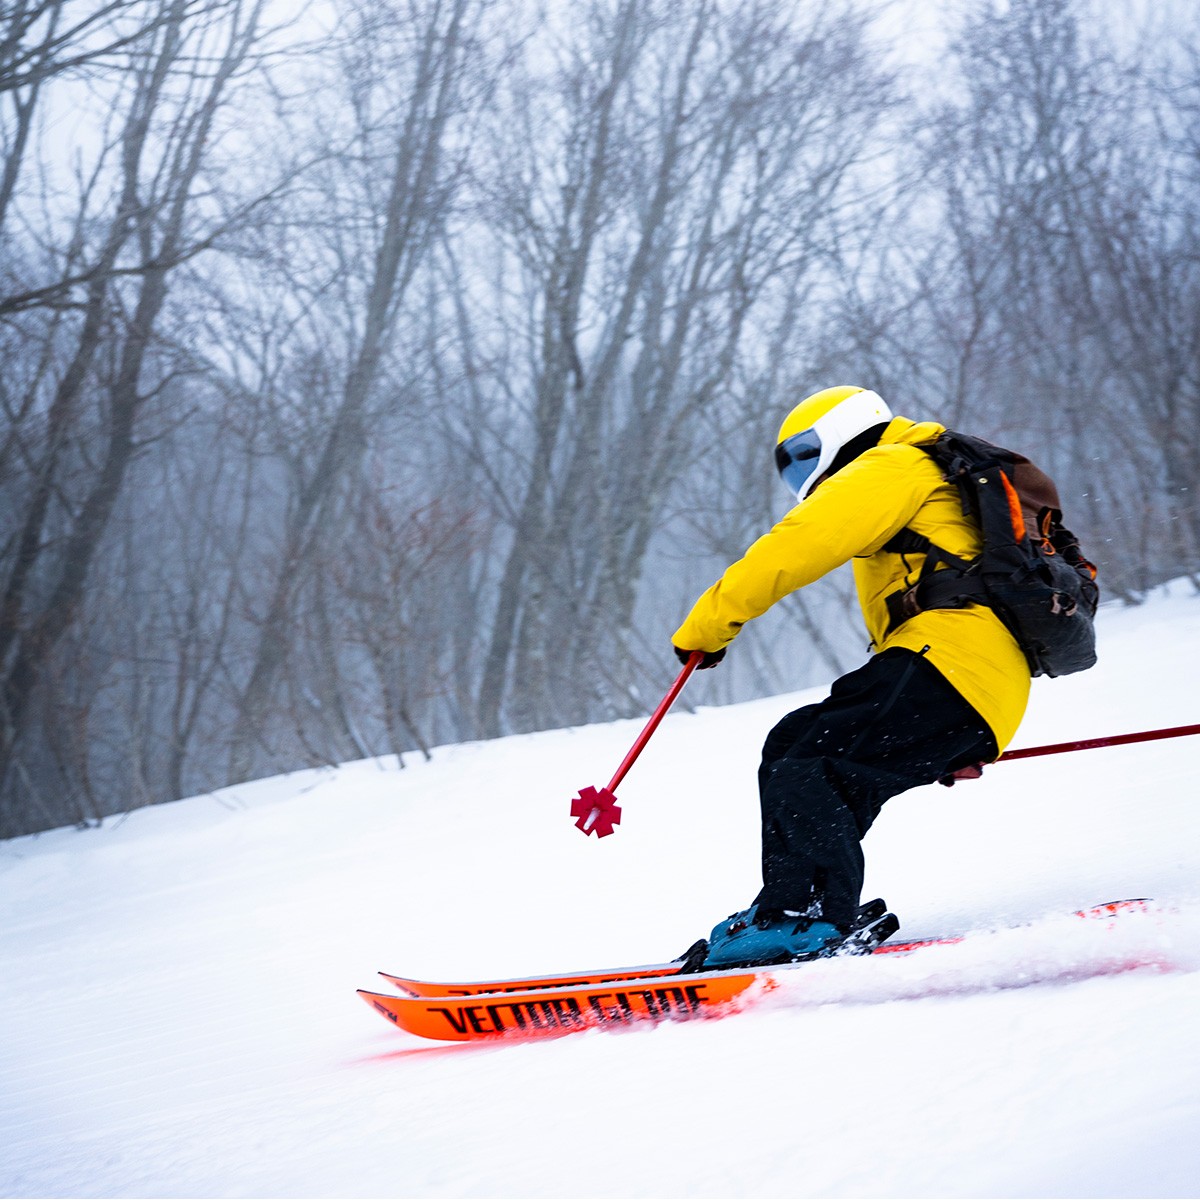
(178, 1012)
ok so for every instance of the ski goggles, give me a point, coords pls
(796, 459)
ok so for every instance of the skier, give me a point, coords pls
(943, 692)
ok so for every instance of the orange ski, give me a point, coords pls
(543, 1011)
(427, 988)
(556, 1004)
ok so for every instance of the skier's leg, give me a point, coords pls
(828, 769)
(812, 859)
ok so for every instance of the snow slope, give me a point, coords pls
(179, 1019)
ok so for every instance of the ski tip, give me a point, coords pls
(407, 986)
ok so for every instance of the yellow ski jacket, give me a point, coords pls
(850, 516)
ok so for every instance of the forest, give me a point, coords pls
(383, 374)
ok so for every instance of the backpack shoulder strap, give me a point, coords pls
(947, 458)
(955, 585)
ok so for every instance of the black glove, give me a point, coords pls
(710, 659)
(974, 771)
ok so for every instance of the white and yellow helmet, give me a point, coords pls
(819, 427)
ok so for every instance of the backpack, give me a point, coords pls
(1031, 571)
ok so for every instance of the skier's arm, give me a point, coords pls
(852, 513)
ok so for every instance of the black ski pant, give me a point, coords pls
(828, 768)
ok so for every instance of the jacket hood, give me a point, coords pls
(903, 432)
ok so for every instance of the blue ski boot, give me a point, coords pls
(762, 937)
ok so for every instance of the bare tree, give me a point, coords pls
(420, 406)
(41, 40)
(699, 156)
(1053, 302)
(407, 70)
(83, 435)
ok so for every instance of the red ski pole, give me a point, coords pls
(596, 808)
(1120, 739)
